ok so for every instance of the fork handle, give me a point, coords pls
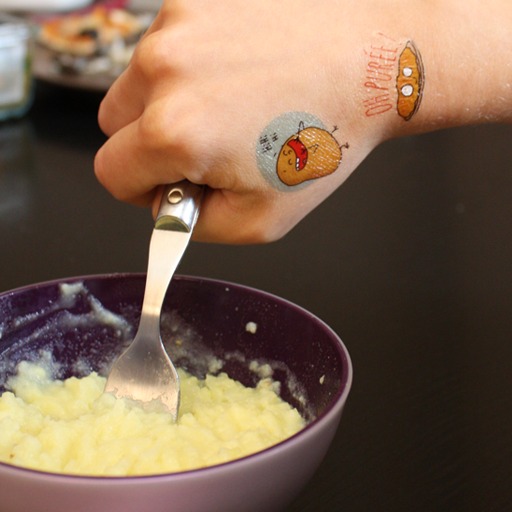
(179, 207)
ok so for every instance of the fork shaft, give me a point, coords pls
(175, 220)
(165, 251)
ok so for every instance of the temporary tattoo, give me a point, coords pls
(409, 82)
(382, 57)
(296, 148)
(384, 62)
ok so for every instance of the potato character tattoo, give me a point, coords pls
(309, 154)
(410, 80)
(296, 148)
(387, 58)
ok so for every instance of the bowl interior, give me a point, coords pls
(86, 322)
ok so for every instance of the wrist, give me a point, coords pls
(465, 50)
(467, 53)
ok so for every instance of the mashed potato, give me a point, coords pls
(73, 427)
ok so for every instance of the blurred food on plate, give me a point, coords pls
(96, 41)
(91, 33)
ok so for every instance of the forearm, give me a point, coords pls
(471, 61)
(465, 54)
(466, 48)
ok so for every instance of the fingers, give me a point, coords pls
(191, 105)
(125, 100)
(161, 146)
(130, 167)
(122, 104)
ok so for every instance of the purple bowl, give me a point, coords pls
(202, 319)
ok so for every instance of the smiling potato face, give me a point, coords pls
(409, 82)
(309, 154)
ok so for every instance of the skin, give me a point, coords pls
(208, 76)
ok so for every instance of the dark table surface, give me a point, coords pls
(409, 262)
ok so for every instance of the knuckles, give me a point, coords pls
(146, 59)
(159, 56)
(177, 134)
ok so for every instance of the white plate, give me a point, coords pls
(43, 5)
(45, 68)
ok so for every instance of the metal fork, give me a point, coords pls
(144, 372)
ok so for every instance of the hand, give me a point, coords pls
(202, 86)
(209, 76)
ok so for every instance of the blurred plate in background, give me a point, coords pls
(47, 69)
(43, 5)
(90, 48)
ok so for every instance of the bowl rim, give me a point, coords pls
(310, 430)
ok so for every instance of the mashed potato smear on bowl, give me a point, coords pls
(72, 427)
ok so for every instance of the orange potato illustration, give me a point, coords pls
(409, 82)
(311, 153)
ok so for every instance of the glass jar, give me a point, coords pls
(16, 53)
